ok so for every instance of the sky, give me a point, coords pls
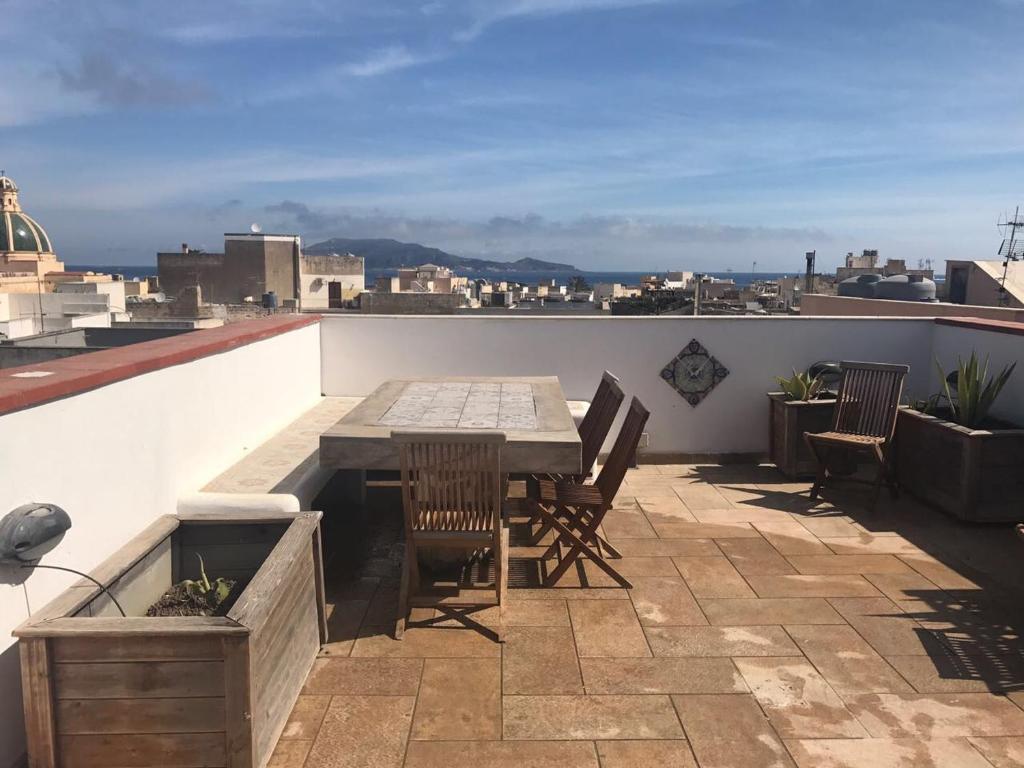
(610, 134)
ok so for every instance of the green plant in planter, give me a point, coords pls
(975, 390)
(214, 593)
(800, 386)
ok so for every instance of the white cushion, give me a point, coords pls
(578, 409)
(207, 502)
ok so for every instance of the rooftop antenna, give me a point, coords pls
(255, 228)
(1011, 249)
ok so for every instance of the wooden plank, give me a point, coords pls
(133, 715)
(65, 604)
(160, 648)
(318, 574)
(237, 703)
(37, 697)
(193, 750)
(128, 555)
(138, 626)
(294, 598)
(258, 599)
(247, 516)
(229, 530)
(139, 679)
(138, 587)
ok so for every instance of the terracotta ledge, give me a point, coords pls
(980, 324)
(72, 375)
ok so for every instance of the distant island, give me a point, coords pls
(381, 253)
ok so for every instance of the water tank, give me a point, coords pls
(906, 288)
(861, 286)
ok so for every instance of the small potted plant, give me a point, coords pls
(951, 452)
(805, 404)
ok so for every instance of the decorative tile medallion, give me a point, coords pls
(694, 372)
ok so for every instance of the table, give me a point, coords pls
(530, 410)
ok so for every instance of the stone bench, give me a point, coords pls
(282, 474)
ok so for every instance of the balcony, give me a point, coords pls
(762, 629)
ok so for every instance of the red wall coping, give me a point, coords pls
(980, 324)
(72, 375)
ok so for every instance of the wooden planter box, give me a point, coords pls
(788, 420)
(103, 690)
(974, 474)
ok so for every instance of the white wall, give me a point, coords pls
(114, 475)
(951, 342)
(360, 352)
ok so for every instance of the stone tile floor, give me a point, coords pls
(762, 630)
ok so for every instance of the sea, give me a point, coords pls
(561, 277)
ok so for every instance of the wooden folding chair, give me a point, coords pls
(593, 430)
(863, 423)
(575, 510)
(452, 494)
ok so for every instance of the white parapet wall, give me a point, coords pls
(118, 456)
(360, 352)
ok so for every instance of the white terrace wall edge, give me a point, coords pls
(118, 456)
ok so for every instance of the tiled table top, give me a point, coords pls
(464, 405)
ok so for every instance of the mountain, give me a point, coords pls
(382, 253)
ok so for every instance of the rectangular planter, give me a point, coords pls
(973, 474)
(103, 690)
(788, 420)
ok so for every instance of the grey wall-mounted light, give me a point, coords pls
(31, 531)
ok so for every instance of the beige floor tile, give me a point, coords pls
(730, 731)
(869, 544)
(395, 677)
(744, 513)
(828, 525)
(607, 628)
(539, 660)
(564, 590)
(645, 754)
(665, 601)
(822, 565)
(425, 642)
(501, 754)
(363, 731)
(636, 567)
(948, 673)
(343, 621)
(699, 496)
(752, 557)
(940, 574)
(590, 717)
(937, 715)
(460, 699)
(305, 719)
(798, 701)
(846, 661)
(535, 613)
(290, 754)
(720, 641)
(772, 585)
(888, 630)
(885, 753)
(778, 610)
(712, 577)
(626, 523)
(661, 675)
(792, 538)
(1001, 751)
(667, 547)
(705, 531)
(666, 509)
(905, 586)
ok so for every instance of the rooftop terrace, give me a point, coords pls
(762, 629)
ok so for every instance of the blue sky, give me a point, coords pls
(618, 134)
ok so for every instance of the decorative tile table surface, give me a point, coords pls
(530, 410)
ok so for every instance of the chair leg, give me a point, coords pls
(578, 547)
(501, 581)
(822, 461)
(403, 591)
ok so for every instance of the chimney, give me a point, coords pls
(809, 279)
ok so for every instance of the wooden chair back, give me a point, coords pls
(614, 469)
(869, 399)
(451, 483)
(597, 422)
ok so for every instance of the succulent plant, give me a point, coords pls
(214, 593)
(972, 392)
(800, 386)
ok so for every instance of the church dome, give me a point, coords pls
(19, 232)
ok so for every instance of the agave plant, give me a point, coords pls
(214, 593)
(800, 386)
(975, 390)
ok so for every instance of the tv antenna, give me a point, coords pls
(255, 228)
(1012, 247)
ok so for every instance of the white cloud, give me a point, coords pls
(490, 12)
(389, 59)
